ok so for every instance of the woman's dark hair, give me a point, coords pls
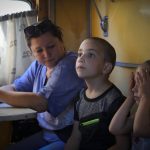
(40, 28)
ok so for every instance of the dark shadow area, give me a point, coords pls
(23, 129)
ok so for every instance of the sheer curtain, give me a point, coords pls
(15, 56)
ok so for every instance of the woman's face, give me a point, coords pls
(47, 49)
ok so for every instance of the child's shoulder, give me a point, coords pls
(79, 97)
(114, 98)
(114, 92)
(114, 95)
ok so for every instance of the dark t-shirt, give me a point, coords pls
(94, 116)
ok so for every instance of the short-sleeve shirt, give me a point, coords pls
(94, 116)
(59, 90)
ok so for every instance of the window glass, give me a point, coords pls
(13, 6)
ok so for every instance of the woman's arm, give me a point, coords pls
(24, 99)
(9, 87)
(142, 117)
(74, 141)
(12, 95)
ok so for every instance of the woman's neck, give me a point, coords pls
(48, 72)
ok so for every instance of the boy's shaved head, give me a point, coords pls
(106, 48)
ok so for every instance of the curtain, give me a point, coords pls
(15, 56)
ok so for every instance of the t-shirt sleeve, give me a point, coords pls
(76, 105)
(25, 82)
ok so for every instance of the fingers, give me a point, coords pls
(143, 77)
(140, 78)
(147, 73)
(132, 82)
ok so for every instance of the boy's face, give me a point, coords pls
(90, 61)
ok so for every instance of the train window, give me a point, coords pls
(14, 6)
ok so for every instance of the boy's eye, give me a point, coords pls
(86, 55)
(50, 46)
(90, 55)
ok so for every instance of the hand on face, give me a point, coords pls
(131, 92)
(143, 81)
(132, 83)
(134, 92)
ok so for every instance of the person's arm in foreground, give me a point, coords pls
(9, 87)
(121, 123)
(142, 118)
(13, 95)
(22, 99)
(73, 142)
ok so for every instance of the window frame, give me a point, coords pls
(30, 2)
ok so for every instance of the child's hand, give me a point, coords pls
(131, 86)
(143, 79)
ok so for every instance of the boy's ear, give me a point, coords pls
(107, 68)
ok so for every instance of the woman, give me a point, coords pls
(48, 86)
